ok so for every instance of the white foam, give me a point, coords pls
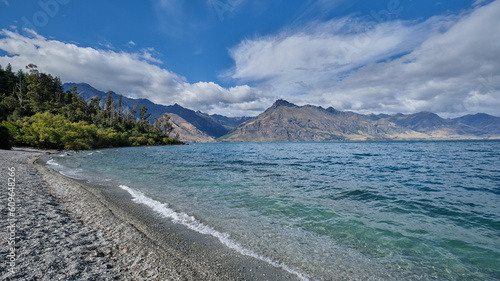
(193, 224)
(52, 162)
(93, 152)
(75, 174)
(67, 153)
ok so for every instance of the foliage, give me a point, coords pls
(4, 138)
(34, 111)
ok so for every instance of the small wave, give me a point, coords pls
(52, 162)
(193, 224)
(363, 195)
(67, 153)
(75, 174)
(365, 154)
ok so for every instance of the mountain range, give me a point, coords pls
(192, 126)
(285, 121)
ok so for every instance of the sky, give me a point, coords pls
(237, 57)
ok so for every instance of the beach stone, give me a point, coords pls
(66, 230)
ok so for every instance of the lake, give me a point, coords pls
(382, 210)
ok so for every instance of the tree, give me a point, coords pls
(134, 110)
(57, 120)
(8, 68)
(109, 101)
(7, 80)
(95, 104)
(40, 89)
(5, 138)
(58, 88)
(109, 108)
(120, 108)
(34, 87)
(21, 86)
(144, 118)
(163, 125)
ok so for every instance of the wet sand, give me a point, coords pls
(66, 229)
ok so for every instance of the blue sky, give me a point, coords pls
(236, 57)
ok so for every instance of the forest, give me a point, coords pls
(36, 112)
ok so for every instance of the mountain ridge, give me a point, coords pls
(482, 121)
(285, 121)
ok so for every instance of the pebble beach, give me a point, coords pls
(57, 228)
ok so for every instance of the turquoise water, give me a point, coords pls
(369, 210)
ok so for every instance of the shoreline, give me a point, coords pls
(87, 231)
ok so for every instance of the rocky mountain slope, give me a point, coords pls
(187, 131)
(285, 121)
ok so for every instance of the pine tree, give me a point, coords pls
(109, 108)
(120, 108)
(144, 118)
(34, 88)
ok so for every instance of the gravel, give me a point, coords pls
(65, 229)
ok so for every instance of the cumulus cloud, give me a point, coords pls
(211, 97)
(132, 74)
(446, 64)
(322, 50)
(452, 73)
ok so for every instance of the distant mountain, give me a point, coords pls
(187, 132)
(285, 121)
(212, 126)
(229, 122)
(431, 123)
(487, 123)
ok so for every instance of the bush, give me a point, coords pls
(5, 138)
(46, 130)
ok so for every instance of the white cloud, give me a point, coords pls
(479, 2)
(131, 74)
(210, 97)
(395, 66)
(320, 51)
(147, 54)
(106, 45)
(452, 73)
